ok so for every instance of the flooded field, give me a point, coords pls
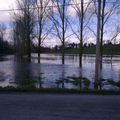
(50, 73)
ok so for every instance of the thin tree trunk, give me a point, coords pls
(63, 32)
(29, 51)
(81, 35)
(39, 43)
(40, 9)
(63, 53)
(97, 62)
(28, 36)
(39, 53)
(102, 32)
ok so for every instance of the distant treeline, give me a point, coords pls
(35, 49)
(6, 48)
(108, 49)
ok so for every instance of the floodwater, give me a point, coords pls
(50, 73)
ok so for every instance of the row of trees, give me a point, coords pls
(36, 19)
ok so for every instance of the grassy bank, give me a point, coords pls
(57, 90)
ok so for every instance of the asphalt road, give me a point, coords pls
(59, 107)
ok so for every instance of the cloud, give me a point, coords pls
(76, 4)
(6, 5)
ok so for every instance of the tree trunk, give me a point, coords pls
(29, 46)
(28, 34)
(80, 55)
(63, 54)
(81, 35)
(97, 62)
(39, 46)
(63, 34)
(40, 19)
(39, 54)
(102, 32)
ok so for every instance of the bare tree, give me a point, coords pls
(105, 16)
(82, 11)
(18, 35)
(102, 30)
(24, 25)
(107, 11)
(114, 39)
(59, 19)
(42, 20)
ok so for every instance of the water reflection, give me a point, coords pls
(23, 75)
(50, 73)
(61, 82)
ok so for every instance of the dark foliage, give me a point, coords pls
(5, 47)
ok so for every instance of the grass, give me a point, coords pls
(10, 89)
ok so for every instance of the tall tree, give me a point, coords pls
(18, 36)
(105, 16)
(97, 62)
(24, 20)
(42, 18)
(102, 30)
(82, 11)
(107, 11)
(59, 19)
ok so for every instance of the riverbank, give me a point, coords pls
(58, 91)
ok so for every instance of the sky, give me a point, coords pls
(5, 17)
(5, 5)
